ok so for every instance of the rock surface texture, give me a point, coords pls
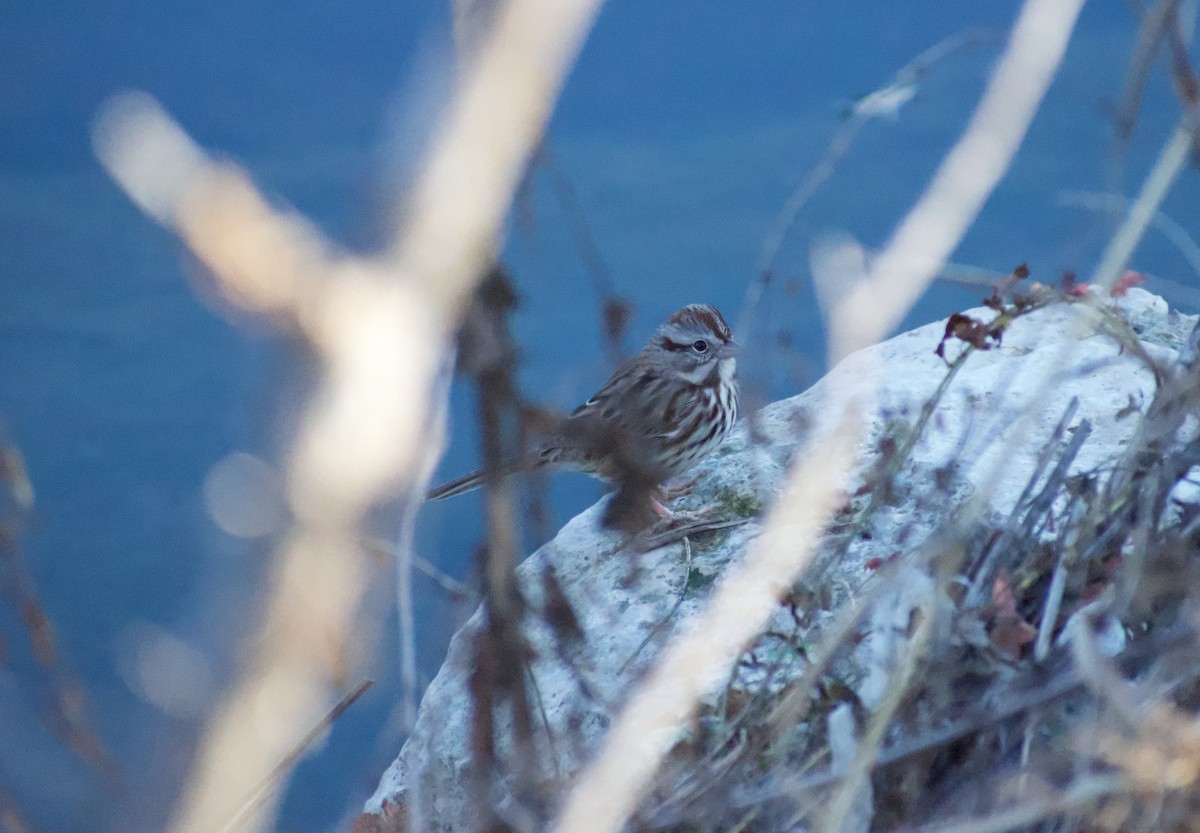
(970, 462)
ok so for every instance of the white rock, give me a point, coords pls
(977, 436)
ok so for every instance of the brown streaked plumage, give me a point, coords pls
(664, 410)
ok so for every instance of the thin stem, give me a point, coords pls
(1171, 162)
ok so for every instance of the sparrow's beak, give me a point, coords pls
(729, 350)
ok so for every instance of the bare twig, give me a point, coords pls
(614, 309)
(447, 582)
(662, 623)
(499, 678)
(902, 82)
(65, 713)
(1150, 34)
(1032, 507)
(293, 757)
(905, 78)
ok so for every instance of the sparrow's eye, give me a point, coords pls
(700, 346)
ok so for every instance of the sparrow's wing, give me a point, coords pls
(631, 417)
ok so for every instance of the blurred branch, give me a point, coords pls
(499, 677)
(497, 117)
(1150, 35)
(470, 22)
(1117, 204)
(380, 327)
(1171, 161)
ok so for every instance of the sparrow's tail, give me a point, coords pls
(551, 457)
(456, 486)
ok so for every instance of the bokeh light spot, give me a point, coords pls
(243, 496)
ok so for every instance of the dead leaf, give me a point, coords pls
(1009, 632)
(1127, 281)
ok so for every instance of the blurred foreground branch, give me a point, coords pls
(380, 327)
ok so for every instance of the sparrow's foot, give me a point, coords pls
(681, 488)
(671, 516)
(663, 512)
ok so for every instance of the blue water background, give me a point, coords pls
(683, 128)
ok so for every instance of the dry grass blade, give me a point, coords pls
(1083, 793)
(867, 753)
(1032, 506)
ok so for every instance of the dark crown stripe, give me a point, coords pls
(705, 316)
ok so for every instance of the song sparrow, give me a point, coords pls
(662, 411)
